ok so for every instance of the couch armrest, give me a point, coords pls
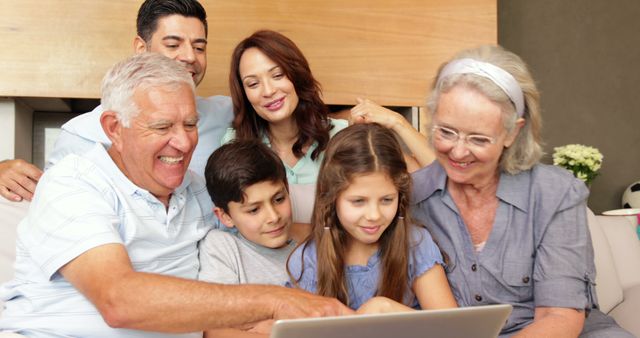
(625, 246)
(626, 313)
(608, 285)
(11, 214)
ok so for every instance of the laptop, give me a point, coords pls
(475, 321)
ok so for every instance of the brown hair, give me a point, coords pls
(311, 113)
(236, 166)
(358, 150)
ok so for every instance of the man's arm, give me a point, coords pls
(129, 299)
(18, 179)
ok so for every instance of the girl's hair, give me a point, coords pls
(359, 150)
(311, 114)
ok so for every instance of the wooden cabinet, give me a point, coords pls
(388, 51)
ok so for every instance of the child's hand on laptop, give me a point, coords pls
(382, 305)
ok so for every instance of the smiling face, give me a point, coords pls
(366, 208)
(264, 217)
(155, 151)
(267, 88)
(182, 39)
(468, 112)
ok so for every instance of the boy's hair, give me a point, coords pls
(359, 150)
(235, 166)
(153, 10)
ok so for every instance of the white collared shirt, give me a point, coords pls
(84, 202)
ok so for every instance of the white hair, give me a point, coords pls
(140, 72)
(526, 150)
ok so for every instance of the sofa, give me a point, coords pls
(616, 246)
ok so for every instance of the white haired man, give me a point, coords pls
(109, 246)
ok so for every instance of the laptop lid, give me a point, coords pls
(475, 321)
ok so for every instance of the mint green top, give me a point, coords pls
(306, 170)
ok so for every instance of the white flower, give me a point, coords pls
(583, 161)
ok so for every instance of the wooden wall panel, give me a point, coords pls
(384, 50)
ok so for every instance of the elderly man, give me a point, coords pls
(174, 28)
(109, 246)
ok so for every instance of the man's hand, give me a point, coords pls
(18, 179)
(295, 303)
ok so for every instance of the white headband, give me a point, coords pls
(497, 75)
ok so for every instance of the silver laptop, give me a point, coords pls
(475, 321)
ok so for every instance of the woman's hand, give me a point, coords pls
(367, 111)
(419, 153)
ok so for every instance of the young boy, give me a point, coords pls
(248, 185)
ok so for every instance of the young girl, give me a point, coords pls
(364, 245)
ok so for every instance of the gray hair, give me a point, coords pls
(526, 150)
(140, 72)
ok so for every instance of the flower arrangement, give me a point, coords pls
(583, 161)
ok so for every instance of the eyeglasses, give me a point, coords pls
(450, 136)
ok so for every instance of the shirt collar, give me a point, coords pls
(312, 147)
(428, 180)
(512, 189)
(515, 189)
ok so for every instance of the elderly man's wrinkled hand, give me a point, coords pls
(18, 179)
(294, 303)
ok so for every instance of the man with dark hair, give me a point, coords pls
(175, 28)
(151, 10)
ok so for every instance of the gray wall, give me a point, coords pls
(585, 57)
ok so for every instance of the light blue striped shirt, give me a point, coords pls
(84, 202)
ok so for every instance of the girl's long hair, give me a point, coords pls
(311, 114)
(359, 150)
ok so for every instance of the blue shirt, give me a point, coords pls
(80, 133)
(539, 251)
(84, 202)
(363, 281)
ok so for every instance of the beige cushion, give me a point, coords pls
(625, 246)
(626, 314)
(11, 335)
(607, 281)
(302, 201)
(11, 213)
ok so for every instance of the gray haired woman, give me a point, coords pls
(515, 231)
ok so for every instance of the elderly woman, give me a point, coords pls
(515, 231)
